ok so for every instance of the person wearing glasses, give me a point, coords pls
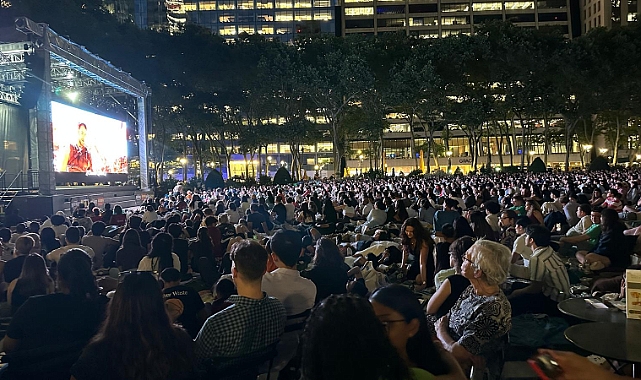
(475, 328)
(507, 235)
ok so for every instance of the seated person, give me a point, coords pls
(13, 267)
(101, 245)
(586, 241)
(550, 283)
(583, 212)
(448, 214)
(520, 250)
(72, 238)
(194, 314)
(254, 321)
(475, 328)
(297, 294)
(376, 217)
(442, 248)
(452, 287)
(223, 289)
(608, 251)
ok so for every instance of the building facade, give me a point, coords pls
(442, 18)
(608, 13)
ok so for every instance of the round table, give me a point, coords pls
(620, 341)
(577, 307)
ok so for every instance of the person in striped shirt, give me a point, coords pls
(550, 283)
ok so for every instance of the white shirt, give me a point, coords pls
(149, 265)
(580, 228)
(149, 216)
(522, 249)
(57, 253)
(296, 293)
(291, 211)
(378, 247)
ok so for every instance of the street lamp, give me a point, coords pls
(603, 150)
(316, 167)
(269, 163)
(183, 161)
(587, 148)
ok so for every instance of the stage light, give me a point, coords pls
(73, 95)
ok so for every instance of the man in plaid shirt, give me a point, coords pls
(254, 321)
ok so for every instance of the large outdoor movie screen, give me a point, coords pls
(85, 142)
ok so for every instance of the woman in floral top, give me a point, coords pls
(477, 324)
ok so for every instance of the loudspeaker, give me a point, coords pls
(33, 80)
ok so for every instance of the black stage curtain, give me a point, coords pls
(13, 140)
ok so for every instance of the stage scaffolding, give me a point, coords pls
(67, 65)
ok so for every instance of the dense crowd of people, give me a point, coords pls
(328, 274)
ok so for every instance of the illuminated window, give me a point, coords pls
(226, 4)
(265, 18)
(265, 29)
(245, 4)
(322, 4)
(323, 15)
(358, 1)
(247, 29)
(446, 8)
(454, 21)
(207, 5)
(451, 32)
(302, 3)
(286, 4)
(302, 15)
(226, 17)
(391, 22)
(362, 11)
(264, 4)
(479, 7)
(227, 31)
(190, 7)
(519, 5)
(632, 17)
(284, 16)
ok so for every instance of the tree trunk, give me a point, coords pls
(412, 141)
(615, 151)
(546, 139)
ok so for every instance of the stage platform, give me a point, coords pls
(67, 198)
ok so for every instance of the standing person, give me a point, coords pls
(137, 340)
(418, 253)
(254, 321)
(34, 280)
(78, 158)
(194, 313)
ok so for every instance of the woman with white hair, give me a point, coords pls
(475, 327)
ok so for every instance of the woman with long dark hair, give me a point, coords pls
(34, 280)
(48, 240)
(137, 340)
(202, 247)
(418, 252)
(130, 253)
(336, 346)
(65, 319)
(118, 218)
(329, 271)
(400, 312)
(608, 251)
(481, 227)
(160, 256)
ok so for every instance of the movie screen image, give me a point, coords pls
(85, 142)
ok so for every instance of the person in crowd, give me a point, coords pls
(448, 215)
(518, 205)
(334, 340)
(399, 311)
(118, 218)
(426, 211)
(34, 280)
(442, 248)
(607, 252)
(107, 214)
(254, 320)
(72, 239)
(583, 213)
(453, 283)
(160, 257)
(101, 245)
(5, 245)
(13, 267)
(507, 235)
(613, 201)
(137, 340)
(215, 236)
(180, 246)
(194, 314)
(149, 215)
(135, 223)
(520, 250)
(57, 223)
(48, 240)
(130, 253)
(476, 326)
(400, 214)
(597, 198)
(492, 212)
(569, 209)
(13, 218)
(95, 215)
(298, 294)
(201, 247)
(586, 241)
(549, 284)
(329, 271)
(481, 227)
(376, 217)
(223, 289)
(82, 219)
(37, 246)
(21, 230)
(418, 252)
(256, 220)
(60, 322)
(533, 212)
(461, 228)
